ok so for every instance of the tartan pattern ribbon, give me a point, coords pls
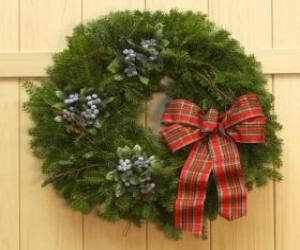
(213, 138)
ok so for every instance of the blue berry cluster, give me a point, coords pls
(148, 43)
(81, 110)
(148, 53)
(133, 173)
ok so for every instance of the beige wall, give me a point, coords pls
(32, 218)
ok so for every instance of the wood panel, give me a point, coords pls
(9, 25)
(254, 30)
(46, 222)
(99, 234)
(287, 220)
(35, 218)
(9, 155)
(9, 134)
(274, 61)
(95, 8)
(286, 34)
(44, 25)
(200, 5)
(286, 23)
(248, 21)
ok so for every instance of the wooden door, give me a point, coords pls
(32, 218)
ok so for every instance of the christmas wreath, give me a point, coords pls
(219, 136)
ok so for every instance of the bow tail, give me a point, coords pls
(189, 207)
(232, 191)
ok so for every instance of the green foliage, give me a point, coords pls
(206, 66)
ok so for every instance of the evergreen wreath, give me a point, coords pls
(94, 151)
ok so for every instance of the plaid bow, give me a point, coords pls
(214, 150)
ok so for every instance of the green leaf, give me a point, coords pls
(111, 175)
(124, 152)
(118, 77)
(144, 79)
(108, 100)
(134, 180)
(88, 155)
(60, 94)
(58, 105)
(93, 180)
(98, 124)
(65, 162)
(159, 30)
(124, 177)
(130, 42)
(165, 42)
(113, 67)
(137, 149)
(58, 118)
(92, 131)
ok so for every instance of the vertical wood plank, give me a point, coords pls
(9, 25)
(200, 5)
(9, 155)
(286, 23)
(46, 222)
(254, 30)
(286, 34)
(99, 234)
(9, 133)
(287, 106)
(156, 239)
(44, 25)
(96, 8)
(248, 21)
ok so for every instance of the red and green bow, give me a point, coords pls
(213, 138)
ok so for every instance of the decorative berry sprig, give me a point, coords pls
(132, 173)
(139, 59)
(80, 108)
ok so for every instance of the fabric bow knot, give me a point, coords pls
(213, 138)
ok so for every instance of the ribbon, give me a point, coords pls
(214, 151)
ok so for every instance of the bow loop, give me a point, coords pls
(183, 112)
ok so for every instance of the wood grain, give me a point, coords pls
(287, 106)
(200, 5)
(286, 24)
(9, 134)
(9, 25)
(95, 8)
(44, 25)
(9, 155)
(248, 21)
(37, 28)
(46, 221)
(286, 34)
